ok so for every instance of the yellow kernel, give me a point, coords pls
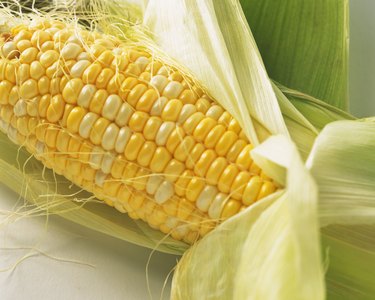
(72, 90)
(172, 110)
(134, 146)
(214, 135)
(192, 122)
(43, 85)
(227, 177)
(43, 105)
(194, 155)
(39, 37)
(136, 93)
(194, 188)
(29, 89)
(184, 148)
(252, 190)
(106, 58)
(173, 170)
(225, 142)
(104, 77)
(146, 153)
(244, 160)
(97, 101)
(235, 150)
(239, 185)
(204, 162)
(138, 121)
(48, 58)
(28, 55)
(203, 128)
(36, 70)
(147, 100)
(56, 109)
(234, 126)
(74, 119)
(128, 84)
(188, 97)
(203, 105)
(160, 160)
(151, 128)
(175, 138)
(5, 88)
(231, 208)
(98, 130)
(91, 73)
(23, 73)
(266, 189)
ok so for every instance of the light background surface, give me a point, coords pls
(60, 260)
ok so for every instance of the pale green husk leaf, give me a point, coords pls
(269, 251)
(343, 164)
(304, 44)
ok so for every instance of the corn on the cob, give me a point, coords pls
(117, 122)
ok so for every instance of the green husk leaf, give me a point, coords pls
(213, 40)
(350, 254)
(304, 44)
(53, 194)
(269, 251)
(317, 112)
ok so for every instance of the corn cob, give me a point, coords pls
(121, 124)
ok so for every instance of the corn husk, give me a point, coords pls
(343, 165)
(304, 44)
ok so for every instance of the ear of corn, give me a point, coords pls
(117, 122)
(284, 225)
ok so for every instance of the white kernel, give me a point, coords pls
(163, 133)
(164, 192)
(214, 212)
(84, 56)
(124, 114)
(86, 124)
(163, 71)
(171, 222)
(142, 62)
(173, 90)
(20, 109)
(186, 111)
(158, 106)
(122, 139)
(79, 67)
(107, 162)
(214, 112)
(153, 183)
(206, 197)
(100, 178)
(4, 126)
(159, 82)
(111, 107)
(110, 137)
(12, 134)
(96, 158)
(39, 147)
(70, 51)
(86, 95)
(119, 207)
(9, 50)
